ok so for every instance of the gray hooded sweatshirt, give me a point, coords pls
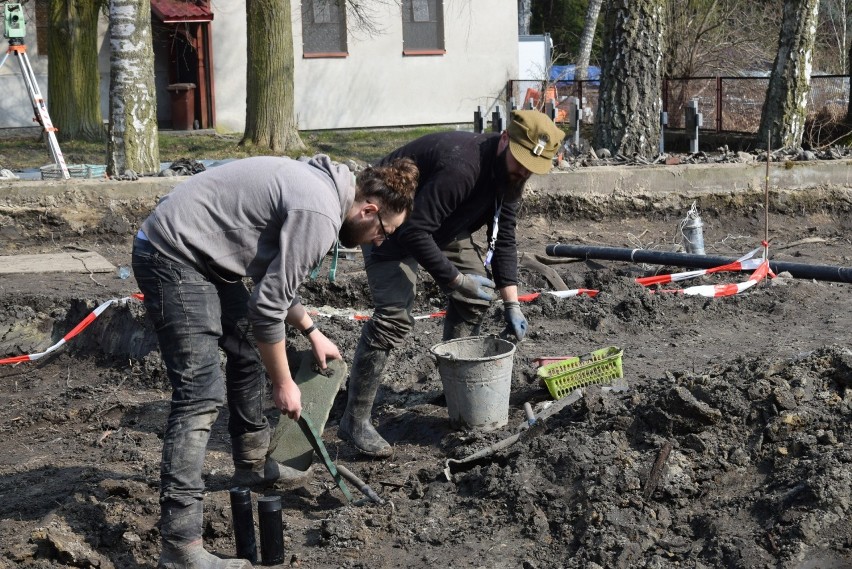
(269, 218)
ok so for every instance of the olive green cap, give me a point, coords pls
(534, 140)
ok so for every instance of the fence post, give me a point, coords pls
(718, 104)
(575, 114)
(580, 92)
(664, 122)
(692, 120)
(497, 119)
(550, 109)
(478, 120)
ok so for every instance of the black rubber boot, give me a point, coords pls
(455, 326)
(356, 426)
(180, 531)
(252, 468)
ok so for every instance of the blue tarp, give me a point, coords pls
(566, 73)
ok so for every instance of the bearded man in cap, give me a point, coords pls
(467, 181)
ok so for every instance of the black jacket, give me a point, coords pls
(461, 183)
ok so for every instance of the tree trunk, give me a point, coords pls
(849, 92)
(627, 119)
(581, 71)
(524, 17)
(784, 109)
(73, 92)
(132, 142)
(270, 110)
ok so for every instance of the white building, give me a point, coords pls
(430, 62)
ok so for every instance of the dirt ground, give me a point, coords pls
(731, 446)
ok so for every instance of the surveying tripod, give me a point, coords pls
(16, 46)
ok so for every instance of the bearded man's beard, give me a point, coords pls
(348, 234)
(513, 185)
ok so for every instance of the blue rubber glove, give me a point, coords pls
(516, 323)
(474, 287)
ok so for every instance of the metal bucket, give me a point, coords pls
(693, 235)
(476, 373)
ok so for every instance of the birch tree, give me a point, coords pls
(785, 107)
(132, 142)
(73, 84)
(834, 29)
(849, 92)
(627, 119)
(581, 71)
(270, 93)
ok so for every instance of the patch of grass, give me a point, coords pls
(22, 149)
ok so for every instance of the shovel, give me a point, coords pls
(338, 473)
(289, 445)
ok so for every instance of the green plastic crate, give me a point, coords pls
(96, 170)
(54, 172)
(600, 366)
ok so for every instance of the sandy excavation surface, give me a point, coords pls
(730, 447)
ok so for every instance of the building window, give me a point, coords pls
(423, 27)
(324, 28)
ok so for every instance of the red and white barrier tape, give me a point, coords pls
(441, 313)
(716, 291)
(744, 263)
(352, 316)
(560, 294)
(76, 330)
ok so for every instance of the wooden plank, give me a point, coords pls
(77, 262)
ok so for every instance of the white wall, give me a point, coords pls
(375, 85)
(534, 57)
(378, 86)
(229, 64)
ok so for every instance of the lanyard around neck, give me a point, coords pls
(492, 241)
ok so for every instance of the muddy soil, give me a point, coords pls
(731, 446)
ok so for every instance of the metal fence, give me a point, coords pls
(728, 104)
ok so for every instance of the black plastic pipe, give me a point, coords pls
(243, 519)
(271, 530)
(798, 270)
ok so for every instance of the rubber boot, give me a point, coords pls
(456, 327)
(180, 530)
(253, 469)
(356, 426)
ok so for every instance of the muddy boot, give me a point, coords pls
(253, 469)
(456, 327)
(355, 426)
(180, 528)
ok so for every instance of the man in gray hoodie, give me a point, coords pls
(270, 219)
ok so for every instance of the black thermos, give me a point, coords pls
(241, 512)
(271, 530)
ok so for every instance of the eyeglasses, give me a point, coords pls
(382, 226)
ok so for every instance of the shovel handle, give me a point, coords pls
(360, 484)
